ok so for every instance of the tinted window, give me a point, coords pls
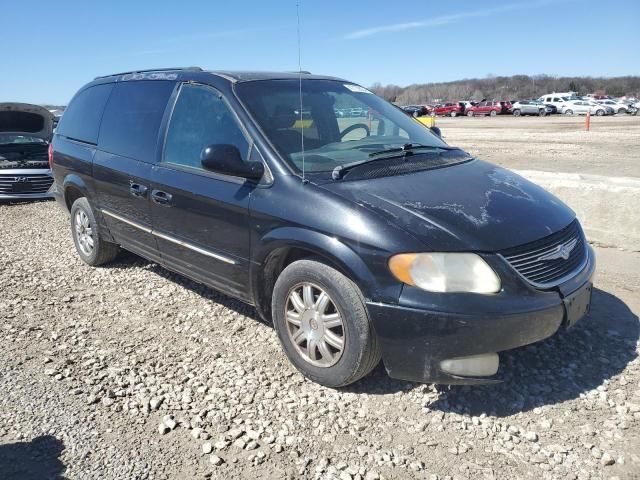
(132, 118)
(200, 118)
(81, 119)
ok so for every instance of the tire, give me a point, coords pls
(470, 114)
(621, 111)
(453, 114)
(600, 113)
(89, 242)
(517, 112)
(542, 112)
(360, 351)
(568, 112)
(493, 113)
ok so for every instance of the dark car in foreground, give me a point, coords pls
(358, 239)
(25, 133)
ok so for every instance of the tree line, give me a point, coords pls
(516, 87)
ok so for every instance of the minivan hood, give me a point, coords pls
(26, 119)
(470, 206)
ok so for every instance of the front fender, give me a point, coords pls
(338, 253)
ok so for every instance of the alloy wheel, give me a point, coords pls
(314, 325)
(84, 232)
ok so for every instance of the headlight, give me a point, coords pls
(445, 272)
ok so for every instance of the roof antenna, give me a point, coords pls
(300, 88)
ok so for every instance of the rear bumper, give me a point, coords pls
(415, 340)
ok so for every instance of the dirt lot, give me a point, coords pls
(555, 143)
(93, 359)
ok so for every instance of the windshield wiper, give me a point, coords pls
(407, 149)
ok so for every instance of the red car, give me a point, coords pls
(448, 109)
(485, 108)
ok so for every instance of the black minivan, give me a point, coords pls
(359, 236)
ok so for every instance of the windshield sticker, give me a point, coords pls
(357, 88)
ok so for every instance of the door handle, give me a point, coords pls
(161, 198)
(137, 190)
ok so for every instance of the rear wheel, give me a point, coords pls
(599, 113)
(493, 113)
(517, 113)
(470, 113)
(453, 114)
(568, 111)
(542, 112)
(90, 244)
(621, 111)
(323, 324)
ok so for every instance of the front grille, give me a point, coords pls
(24, 184)
(529, 261)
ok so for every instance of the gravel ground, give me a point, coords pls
(130, 371)
(555, 143)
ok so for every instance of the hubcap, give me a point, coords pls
(314, 325)
(84, 232)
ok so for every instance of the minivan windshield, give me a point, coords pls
(339, 122)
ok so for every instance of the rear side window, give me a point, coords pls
(81, 119)
(132, 119)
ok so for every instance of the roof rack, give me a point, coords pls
(191, 69)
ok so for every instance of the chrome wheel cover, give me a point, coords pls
(83, 232)
(314, 325)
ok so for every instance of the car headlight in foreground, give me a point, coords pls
(445, 272)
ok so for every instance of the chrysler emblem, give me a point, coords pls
(561, 251)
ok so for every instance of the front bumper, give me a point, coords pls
(416, 337)
(39, 181)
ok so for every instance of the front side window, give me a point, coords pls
(369, 125)
(200, 118)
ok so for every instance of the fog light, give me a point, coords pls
(483, 365)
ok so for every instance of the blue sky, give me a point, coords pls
(53, 48)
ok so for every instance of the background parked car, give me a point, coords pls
(416, 110)
(449, 109)
(582, 107)
(506, 106)
(530, 107)
(25, 133)
(556, 100)
(491, 108)
(618, 107)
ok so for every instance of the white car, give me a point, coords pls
(582, 107)
(618, 107)
(556, 100)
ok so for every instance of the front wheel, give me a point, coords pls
(621, 111)
(600, 113)
(493, 113)
(516, 113)
(568, 112)
(90, 244)
(542, 112)
(323, 324)
(470, 114)
(453, 114)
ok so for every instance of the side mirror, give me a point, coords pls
(436, 130)
(226, 159)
